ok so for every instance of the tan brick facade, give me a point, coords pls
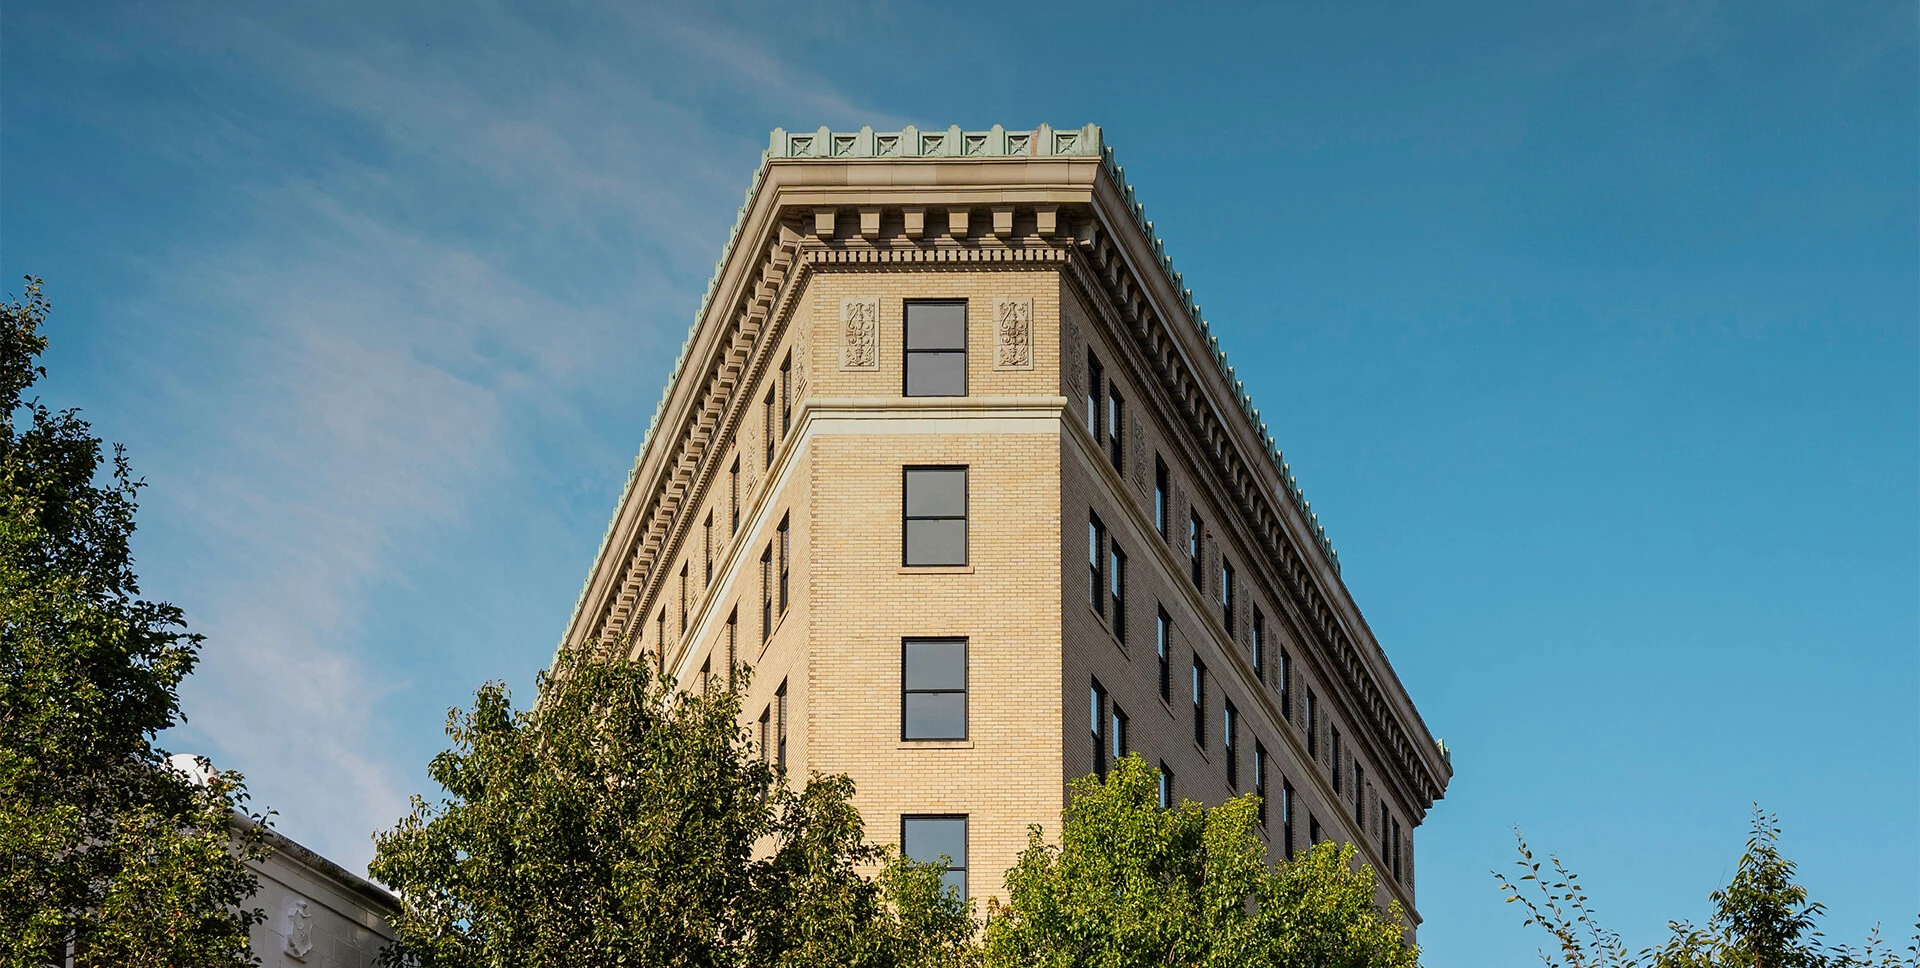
(801, 344)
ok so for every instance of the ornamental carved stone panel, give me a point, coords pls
(860, 333)
(1013, 334)
(1072, 348)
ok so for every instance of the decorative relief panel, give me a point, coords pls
(802, 366)
(860, 333)
(1075, 352)
(1013, 334)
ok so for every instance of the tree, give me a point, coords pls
(1762, 919)
(1131, 883)
(618, 822)
(105, 847)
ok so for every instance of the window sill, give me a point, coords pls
(934, 570)
(1107, 625)
(935, 744)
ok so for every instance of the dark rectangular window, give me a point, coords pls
(1285, 674)
(733, 499)
(786, 560)
(706, 676)
(683, 601)
(766, 594)
(1097, 726)
(1117, 588)
(1259, 646)
(1116, 424)
(933, 689)
(1260, 778)
(733, 644)
(1339, 788)
(786, 396)
(1313, 828)
(934, 530)
(1383, 831)
(766, 729)
(1199, 703)
(1396, 849)
(1229, 728)
(1096, 563)
(1094, 380)
(780, 703)
(1286, 817)
(1116, 733)
(660, 640)
(1162, 498)
(930, 839)
(1166, 787)
(1163, 644)
(1227, 593)
(706, 580)
(1194, 557)
(1359, 792)
(936, 349)
(1313, 731)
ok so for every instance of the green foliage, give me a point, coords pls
(1762, 919)
(1132, 884)
(103, 844)
(619, 823)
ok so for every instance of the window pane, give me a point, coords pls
(936, 326)
(956, 880)
(929, 837)
(936, 665)
(941, 542)
(935, 715)
(936, 493)
(937, 374)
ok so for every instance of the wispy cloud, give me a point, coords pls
(436, 237)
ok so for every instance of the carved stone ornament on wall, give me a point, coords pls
(297, 929)
(1072, 349)
(860, 333)
(1013, 334)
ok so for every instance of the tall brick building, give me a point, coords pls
(951, 461)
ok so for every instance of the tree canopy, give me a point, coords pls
(1134, 884)
(618, 822)
(105, 847)
(1761, 919)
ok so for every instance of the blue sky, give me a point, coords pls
(1589, 328)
